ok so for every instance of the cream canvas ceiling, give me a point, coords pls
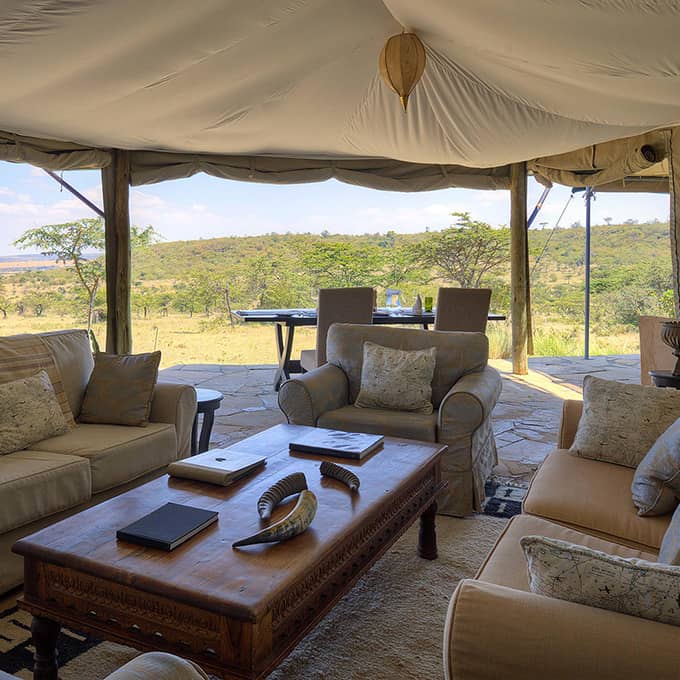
(298, 79)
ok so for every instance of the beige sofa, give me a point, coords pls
(496, 628)
(464, 391)
(62, 475)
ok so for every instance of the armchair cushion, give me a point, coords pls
(403, 424)
(396, 379)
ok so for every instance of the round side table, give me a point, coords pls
(665, 379)
(207, 402)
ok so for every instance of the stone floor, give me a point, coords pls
(526, 418)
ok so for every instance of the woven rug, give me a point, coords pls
(388, 627)
(504, 496)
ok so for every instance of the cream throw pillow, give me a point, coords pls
(30, 412)
(621, 422)
(656, 483)
(578, 574)
(397, 379)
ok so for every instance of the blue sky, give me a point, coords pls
(205, 207)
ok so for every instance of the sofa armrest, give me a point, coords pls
(497, 632)
(175, 403)
(468, 403)
(304, 399)
(571, 414)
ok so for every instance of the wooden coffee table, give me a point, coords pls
(235, 612)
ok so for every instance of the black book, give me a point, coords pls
(167, 527)
(324, 442)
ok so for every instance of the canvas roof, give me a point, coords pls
(289, 90)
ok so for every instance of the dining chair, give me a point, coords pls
(337, 305)
(655, 354)
(462, 309)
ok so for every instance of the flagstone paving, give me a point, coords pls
(526, 417)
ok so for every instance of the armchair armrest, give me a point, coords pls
(304, 399)
(468, 403)
(497, 632)
(175, 403)
(571, 414)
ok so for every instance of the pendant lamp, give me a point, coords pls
(402, 62)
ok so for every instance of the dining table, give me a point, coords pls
(287, 320)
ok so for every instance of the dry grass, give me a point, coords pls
(197, 340)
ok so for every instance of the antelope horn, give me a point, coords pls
(275, 494)
(341, 474)
(294, 523)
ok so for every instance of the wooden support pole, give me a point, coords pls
(518, 266)
(673, 154)
(116, 190)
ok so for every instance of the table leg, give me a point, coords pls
(194, 436)
(427, 536)
(45, 633)
(206, 430)
(284, 349)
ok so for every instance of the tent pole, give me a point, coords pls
(116, 191)
(673, 155)
(586, 310)
(518, 266)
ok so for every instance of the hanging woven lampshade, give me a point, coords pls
(402, 62)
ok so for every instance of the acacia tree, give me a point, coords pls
(79, 245)
(465, 252)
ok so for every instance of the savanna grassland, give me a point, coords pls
(183, 291)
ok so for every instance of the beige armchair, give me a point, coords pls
(158, 666)
(464, 392)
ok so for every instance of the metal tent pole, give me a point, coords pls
(586, 315)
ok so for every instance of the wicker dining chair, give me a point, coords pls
(462, 309)
(337, 305)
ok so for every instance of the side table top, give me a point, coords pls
(203, 395)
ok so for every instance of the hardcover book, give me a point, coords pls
(217, 466)
(169, 526)
(324, 442)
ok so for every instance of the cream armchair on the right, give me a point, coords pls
(464, 392)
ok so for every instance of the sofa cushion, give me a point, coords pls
(593, 497)
(117, 454)
(120, 389)
(506, 565)
(402, 424)
(457, 353)
(656, 482)
(621, 422)
(396, 379)
(30, 412)
(35, 484)
(576, 573)
(22, 356)
(73, 356)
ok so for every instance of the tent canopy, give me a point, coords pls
(289, 90)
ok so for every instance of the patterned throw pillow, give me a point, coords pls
(656, 483)
(620, 422)
(120, 389)
(30, 413)
(669, 553)
(623, 584)
(396, 379)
